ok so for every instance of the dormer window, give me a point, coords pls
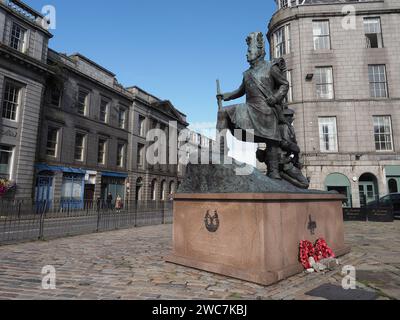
(17, 40)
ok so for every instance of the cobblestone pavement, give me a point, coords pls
(129, 264)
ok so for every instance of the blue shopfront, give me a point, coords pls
(72, 186)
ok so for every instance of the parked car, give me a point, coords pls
(391, 200)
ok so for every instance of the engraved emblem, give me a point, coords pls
(312, 225)
(212, 222)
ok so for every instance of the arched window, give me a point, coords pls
(164, 190)
(139, 189)
(393, 187)
(340, 183)
(172, 187)
(154, 190)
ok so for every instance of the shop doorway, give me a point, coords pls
(368, 188)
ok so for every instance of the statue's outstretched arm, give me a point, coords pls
(280, 82)
(235, 94)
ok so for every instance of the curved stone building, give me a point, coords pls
(343, 61)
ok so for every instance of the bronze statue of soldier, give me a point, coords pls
(290, 156)
(265, 86)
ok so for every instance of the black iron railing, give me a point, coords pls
(26, 220)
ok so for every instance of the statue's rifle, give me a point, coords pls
(219, 95)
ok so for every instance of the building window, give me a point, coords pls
(373, 32)
(52, 141)
(324, 81)
(11, 101)
(321, 34)
(282, 41)
(83, 97)
(5, 161)
(377, 81)
(55, 97)
(121, 117)
(121, 155)
(140, 155)
(72, 191)
(142, 126)
(328, 134)
(101, 158)
(383, 133)
(17, 40)
(290, 92)
(79, 146)
(104, 105)
(283, 4)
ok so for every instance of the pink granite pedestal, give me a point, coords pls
(256, 236)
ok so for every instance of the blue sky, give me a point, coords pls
(173, 49)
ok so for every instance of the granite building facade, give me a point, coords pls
(70, 133)
(344, 76)
(23, 73)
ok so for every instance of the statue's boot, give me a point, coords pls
(296, 174)
(273, 166)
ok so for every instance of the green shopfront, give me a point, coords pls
(341, 184)
(393, 178)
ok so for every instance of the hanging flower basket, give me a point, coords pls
(6, 187)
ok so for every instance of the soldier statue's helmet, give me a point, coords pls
(289, 112)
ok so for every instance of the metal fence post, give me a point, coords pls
(41, 222)
(163, 212)
(98, 216)
(135, 213)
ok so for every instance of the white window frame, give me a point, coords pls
(8, 104)
(140, 155)
(85, 103)
(142, 126)
(325, 90)
(107, 110)
(388, 136)
(9, 174)
(289, 77)
(121, 155)
(122, 120)
(368, 26)
(104, 151)
(52, 91)
(282, 41)
(57, 141)
(82, 148)
(22, 41)
(322, 35)
(328, 138)
(376, 77)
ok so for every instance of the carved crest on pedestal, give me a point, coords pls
(212, 222)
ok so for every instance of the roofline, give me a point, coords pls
(127, 95)
(81, 56)
(157, 98)
(144, 91)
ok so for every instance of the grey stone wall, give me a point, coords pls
(22, 135)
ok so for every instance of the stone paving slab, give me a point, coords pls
(129, 265)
